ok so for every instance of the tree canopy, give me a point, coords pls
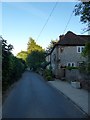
(35, 58)
(86, 53)
(83, 10)
(12, 67)
(34, 55)
(22, 55)
(32, 46)
(50, 46)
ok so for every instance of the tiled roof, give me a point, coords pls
(72, 39)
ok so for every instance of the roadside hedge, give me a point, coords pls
(12, 67)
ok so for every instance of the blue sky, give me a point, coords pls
(22, 20)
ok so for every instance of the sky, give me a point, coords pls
(22, 20)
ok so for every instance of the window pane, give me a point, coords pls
(69, 65)
(72, 64)
(78, 49)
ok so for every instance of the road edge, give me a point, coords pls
(77, 106)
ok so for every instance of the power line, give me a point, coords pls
(68, 22)
(47, 20)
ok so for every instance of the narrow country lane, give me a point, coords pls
(34, 98)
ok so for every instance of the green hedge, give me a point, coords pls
(12, 67)
(11, 71)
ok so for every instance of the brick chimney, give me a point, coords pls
(61, 37)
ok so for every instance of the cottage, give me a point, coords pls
(67, 52)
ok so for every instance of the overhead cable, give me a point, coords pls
(47, 19)
(69, 20)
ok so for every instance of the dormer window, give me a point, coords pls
(80, 49)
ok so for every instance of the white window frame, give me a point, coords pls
(71, 64)
(80, 48)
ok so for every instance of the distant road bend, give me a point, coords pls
(32, 97)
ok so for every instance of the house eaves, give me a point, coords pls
(71, 39)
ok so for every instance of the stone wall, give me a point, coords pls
(76, 75)
(72, 75)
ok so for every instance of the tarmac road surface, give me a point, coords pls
(33, 97)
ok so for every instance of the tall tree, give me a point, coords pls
(35, 54)
(22, 55)
(32, 46)
(83, 10)
(50, 46)
(35, 58)
(12, 67)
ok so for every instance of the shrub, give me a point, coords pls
(48, 74)
(70, 68)
(49, 78)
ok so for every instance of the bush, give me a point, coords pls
(70, 68)
(48, 74)
(49, 78)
